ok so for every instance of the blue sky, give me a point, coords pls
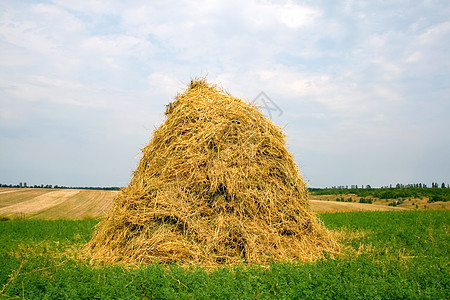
(364, 86)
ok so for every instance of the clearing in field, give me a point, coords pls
(215, 185)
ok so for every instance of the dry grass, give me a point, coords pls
(323, 206)
(54, 203)
(215, 185)
(92, 204)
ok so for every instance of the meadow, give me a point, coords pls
(386, 255)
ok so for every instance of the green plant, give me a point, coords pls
(366, 200)
(386, 255)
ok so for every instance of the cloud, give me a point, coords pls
(263, 15)
(94, 8)
(117, 45)
(349, 78)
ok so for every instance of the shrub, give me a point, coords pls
(436, 198)
(366, 200)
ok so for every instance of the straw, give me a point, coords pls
(215, 185)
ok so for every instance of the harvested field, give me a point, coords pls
(86, 204)
(54, 203)
(321, 206)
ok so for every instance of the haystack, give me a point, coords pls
(215, 185)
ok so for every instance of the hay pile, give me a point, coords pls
(215, 185)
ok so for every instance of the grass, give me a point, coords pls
(386, 255)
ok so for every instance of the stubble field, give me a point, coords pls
(51, 204)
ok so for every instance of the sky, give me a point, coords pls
(362, 88)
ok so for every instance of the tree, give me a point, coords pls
(443, 185)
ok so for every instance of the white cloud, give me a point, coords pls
(414, 57)
(97, 7)
(296, 16)
(263, 15)
(169, 84)
(56, 20)
(24, 34)
(56, 82)
(351, 72)
(115, 45)
(435, 33)
(48, 90)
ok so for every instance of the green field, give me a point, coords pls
(386, 255)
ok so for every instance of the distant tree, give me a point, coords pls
(443, 185)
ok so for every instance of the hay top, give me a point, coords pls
(215, 184)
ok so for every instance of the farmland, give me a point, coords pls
(391, 254)
(387, 252)
(49, 204)
(54, 203)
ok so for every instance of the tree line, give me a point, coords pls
(435, 193)
(50, 186)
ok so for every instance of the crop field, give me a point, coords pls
(32, 203)
(385, 255)
(50, 204)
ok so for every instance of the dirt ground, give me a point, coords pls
(30, 203)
